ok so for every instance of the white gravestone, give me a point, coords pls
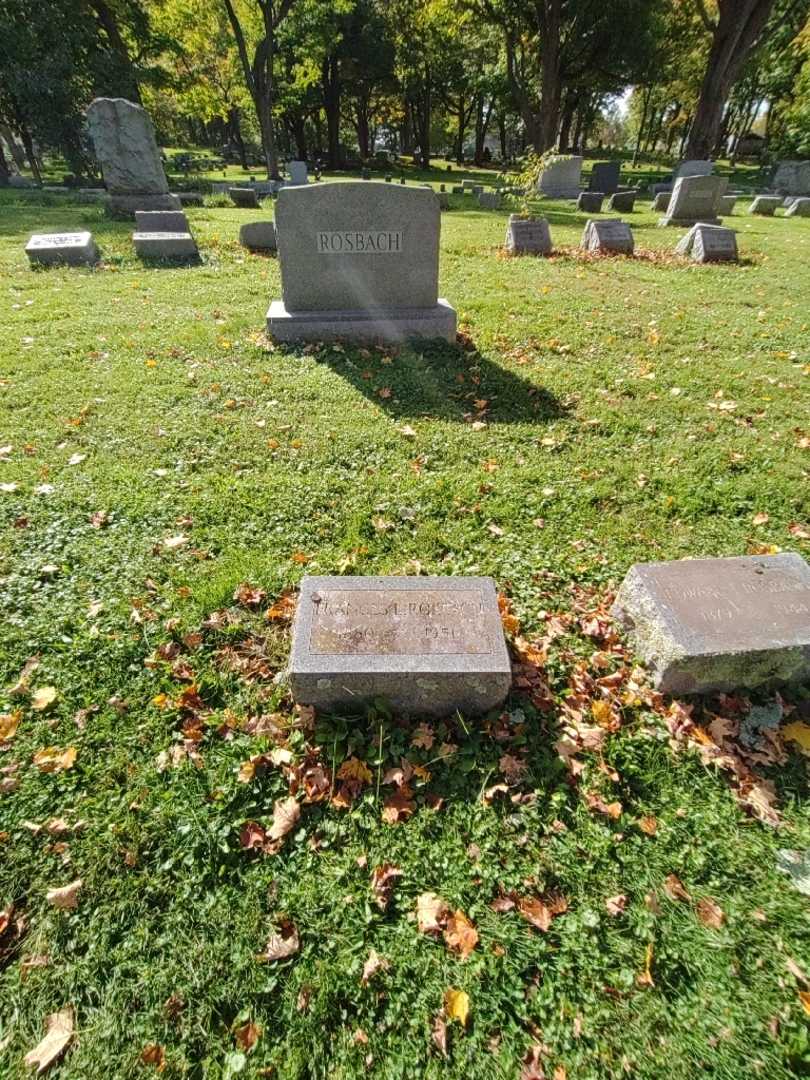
(695, 198)
(709, 243)
(561, 178)
(71, 249)
(359, 260)
(126, 148)
(298, 172)
(792, 178)
(612, 235)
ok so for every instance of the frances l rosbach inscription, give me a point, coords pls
(399, 622)
(359, 242)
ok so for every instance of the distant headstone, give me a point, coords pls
(467, 185)
(528, 236)
(709, 625)
(622, 202)
(727, 204)
(661, 200)
(258, 235)
(388, 178)
(126, 149)
(609, 235)
(561, 178)
(695, 198)
(444, 200)
(590, 201)
(165, 245)
(792, 178)
(799, 208)
(765, 205)
(21, 182)
(244, 197)
(426, 645)
(442, 187)
(694, 168)
(70, 249)
(365, 174)
(458, 189)
(489, 200)
(478, 189)
(161, 221)
(709, 243)
(359, 261)
(298, 172)
(605, 177)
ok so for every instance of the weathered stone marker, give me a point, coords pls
(800, 207)
(706, 625)
(792, 177)
(528, 236)
(489, 200)
(246, 198)
(165, 245)
(298, 172)
(560, 178)
(590, 201)
(125, 145)
(695, 198)
(161, 221)
(605, 176)
(765, 205)
(611, 235)
(709, 243)
(622, 202)
(360, 261)
(428, 645)
(70, 249)
(661, 200)
(258, 236)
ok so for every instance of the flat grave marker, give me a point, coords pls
(710, 625)
(765, 205)
(428, 645)
(68, 249)
(800, 207)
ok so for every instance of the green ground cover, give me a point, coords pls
(598, 411)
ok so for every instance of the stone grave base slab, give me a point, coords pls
(65, 249)
(687, 223)
(381, 325)
(428, 645)
(711, 625)
(124, 206)
(165, 245)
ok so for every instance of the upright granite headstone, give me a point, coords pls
(700, 167)
(528, 236)
(798, 208)
(489, 200)
(695, 198)
(605, 177)
(622, 202)
(709, 243)
(765, 205)
(727, 204)
(427, 645)
(359, 260)
(258, 236)
(661, 200)
(792, 178)
(69, 249)
(590, 201)
(246, 198)
(707, 625)
(610, 236)
(161, 221)
(298, 172)
(561, 178)
(125, 145)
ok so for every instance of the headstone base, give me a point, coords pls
(124, 206)
(165, 245)
(383, 325)
(687, 223)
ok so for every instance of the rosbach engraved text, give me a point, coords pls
(359, 242)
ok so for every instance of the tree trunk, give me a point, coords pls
(362, 126)
(644, 110)
(330, 87)
(235, 131)
(462, 126)
(550, 12)
(736, 31)
(106, 21)
(406, 129)
(502, 137)
(19, 158)
(480, 130)
(565, 124)
(28, 144)
(5, 172)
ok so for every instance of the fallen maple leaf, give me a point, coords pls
(801, 532)
(8, 724)
(397, 807)
(58, 1036)
(154, 1054)
(354, 769)
(249, 595)
(423, 737)
(252, 835)
(648, 825)
(761, 518)
(804, 998)
(674, 889)
(171, 543)
(796, 732)
(43, 698)
(535, 911)
(373, 966)
(431, 913)
(460, 935)
(247, 1036)
(52, 759)
(457, 1005)
(710, 913)
(286, 813)
(382, 883)
(532, 1065)
(616, 904)
(281, 944)
(439, 1033)
(66, 897)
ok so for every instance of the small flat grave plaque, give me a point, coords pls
(72, 249)
(426, 645)
(710, 625)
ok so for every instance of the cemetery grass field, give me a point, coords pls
(157, 454)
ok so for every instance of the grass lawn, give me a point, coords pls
(157, 453)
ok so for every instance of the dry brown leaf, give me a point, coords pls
(535, 911)
(154, 1054)
(247, 1036)
(439, 1033)
(644, 978)
(286, 813)
(43, 698)
(460, 935)
(382, 883)
(250, 596)
(674, 889)
(710, 913)
(648, 825)
(397, 807)
(53, 759)
(431, 913)
(532, 1066)
(616, 904)
(8, 724)
(281, 944)
(66, 897)
(58, 1036)
(354, 769)
(373, 966)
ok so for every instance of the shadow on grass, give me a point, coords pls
(443, 381)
